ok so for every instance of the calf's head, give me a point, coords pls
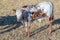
(19, 15)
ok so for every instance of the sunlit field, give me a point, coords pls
(11, 30)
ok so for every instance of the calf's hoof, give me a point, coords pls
(27, 34)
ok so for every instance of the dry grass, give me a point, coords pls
(11, 30)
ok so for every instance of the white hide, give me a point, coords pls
(19, 15)
(33, 9)
(46, 7)
(19, 12)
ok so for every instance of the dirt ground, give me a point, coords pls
(10, 29)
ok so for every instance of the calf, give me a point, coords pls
(28, 13)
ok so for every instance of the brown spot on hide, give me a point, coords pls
(36, 14)
(51, 18)
(44, 14)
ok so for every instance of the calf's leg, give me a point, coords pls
(27, 29)
(50, 26)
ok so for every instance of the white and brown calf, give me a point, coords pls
(39, 11)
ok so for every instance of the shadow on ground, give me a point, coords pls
(39, 30)
(57, 21)
(9, 20)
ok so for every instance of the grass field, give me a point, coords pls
(11, 30)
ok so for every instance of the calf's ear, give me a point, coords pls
(14, 10)
(24, 6)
